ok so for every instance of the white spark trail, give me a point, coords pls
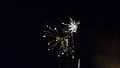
(78, 63)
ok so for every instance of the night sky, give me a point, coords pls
(97, 42)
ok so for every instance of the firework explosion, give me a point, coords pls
(62, 41)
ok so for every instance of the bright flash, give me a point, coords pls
(73, 25)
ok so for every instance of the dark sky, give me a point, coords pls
(98, 34)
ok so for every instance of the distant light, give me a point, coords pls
(63, 23)
(64, 50)
(62, 53)
(58, 55)
(44, 35)
(46, 25)
(72, 50)
(48, 43)
(48, 49)
(55, 28)
(73, 57)
(52, 48)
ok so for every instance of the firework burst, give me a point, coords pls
(62, 41)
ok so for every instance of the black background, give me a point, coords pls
(98, 32)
